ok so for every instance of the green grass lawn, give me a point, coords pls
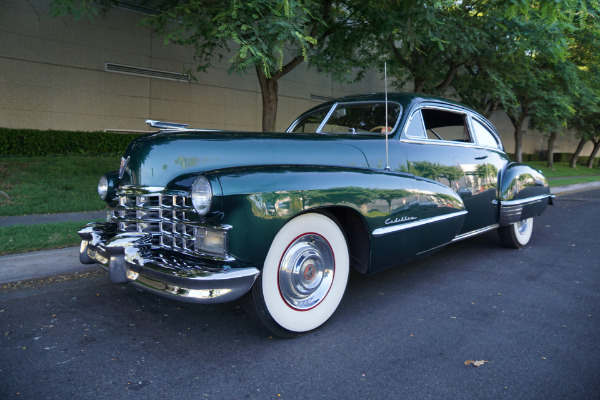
(23, 238)
(47, 185)
(562, 174)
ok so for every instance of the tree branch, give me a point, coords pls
(449, 76)
(397, 53)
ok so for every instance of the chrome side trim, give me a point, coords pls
(475, 232)
(410, 225)
(443, 143)
(510, 214)
(523, 201)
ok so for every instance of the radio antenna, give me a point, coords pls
(387, 162)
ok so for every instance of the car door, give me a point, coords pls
(440, 145)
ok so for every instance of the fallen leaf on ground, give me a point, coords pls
(476, 363)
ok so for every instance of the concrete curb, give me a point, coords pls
(35, 219)
(41, 264)
(561, 190)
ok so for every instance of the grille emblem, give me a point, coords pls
(124, 162)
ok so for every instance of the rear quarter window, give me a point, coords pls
(484, 136)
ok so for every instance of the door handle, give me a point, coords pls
(481, 158)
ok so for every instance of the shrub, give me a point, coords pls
(30, 142)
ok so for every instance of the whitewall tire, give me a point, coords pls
(304, 276)
(516, 235)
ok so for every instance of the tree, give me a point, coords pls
(560, 89)
(425, 42)
(525, 65)
(588, 129)
(268, 37)
(585, 55)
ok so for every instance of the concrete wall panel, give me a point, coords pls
(126, 85)
(76, 122)
(30, 119)
(127, 106)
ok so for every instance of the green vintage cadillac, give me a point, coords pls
(368, 182)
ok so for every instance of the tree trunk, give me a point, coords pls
(419, 84)
(580, 146)
(551, 142)
(590, 162)
(518, 144)
(518, 119)
(450, 74)
(268, 89)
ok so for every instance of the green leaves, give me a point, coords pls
(257, 32)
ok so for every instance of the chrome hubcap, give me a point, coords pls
(522, 226)
(306, 272)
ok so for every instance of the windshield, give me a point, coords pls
(351, 118)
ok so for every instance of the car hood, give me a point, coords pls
(159, 158)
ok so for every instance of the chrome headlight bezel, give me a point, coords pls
(103, 187)
(201, 195)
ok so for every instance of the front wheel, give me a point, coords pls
(304, 276)
(516, 235)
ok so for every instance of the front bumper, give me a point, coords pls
(130, 257)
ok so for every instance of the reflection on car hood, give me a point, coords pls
(157, 159)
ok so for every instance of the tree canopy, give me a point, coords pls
(536, 60)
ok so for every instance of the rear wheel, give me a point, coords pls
(304, 276)
(516, 235)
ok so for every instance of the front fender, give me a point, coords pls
(257, 201)
(523, 193)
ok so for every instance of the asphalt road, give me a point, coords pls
(532, 314)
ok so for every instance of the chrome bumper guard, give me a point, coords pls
(129, 257)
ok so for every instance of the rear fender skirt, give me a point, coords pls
(523, 193)
(512, 211)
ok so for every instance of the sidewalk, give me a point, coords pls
(40, 264)
(560, 190)
(48, 218)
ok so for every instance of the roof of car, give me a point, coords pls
(405, 99)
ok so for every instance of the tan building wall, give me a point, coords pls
(53, 76)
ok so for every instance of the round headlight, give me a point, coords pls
(103, 187)
(201, 195)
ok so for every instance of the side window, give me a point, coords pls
(484, 136)
(446, 125)
(415, 129)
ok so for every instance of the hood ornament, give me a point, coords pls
(124, 162)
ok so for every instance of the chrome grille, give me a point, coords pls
(166, 216)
